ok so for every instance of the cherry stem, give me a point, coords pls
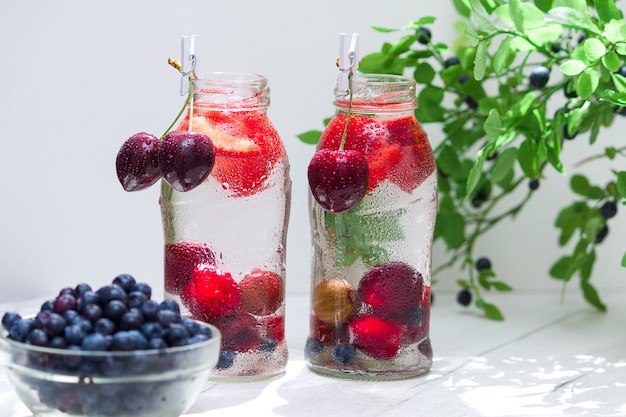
(345, 128)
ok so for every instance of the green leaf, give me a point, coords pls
(544, 5)
(463, 7)
(587, 266)
(493, 126)
(501, 286)
(587, 83)
(475, 173)
(310, 137)
(481, 17)
(403, 45)
(561, 269)
(424, 73)
(452, 227)
(607, 10)
(500, 59)
(577, 19)
(492, 312)
(572, 67)
(545, 34)
(480, 60)
(594, 49)
(521, 107)
(580, 184)
(515, 10)
(623, 263)
(527, 156)
(504, 164)
(423, 21)
(384, 29)
(619, 81)
(621, 183)
(591, 295)
(611, 61)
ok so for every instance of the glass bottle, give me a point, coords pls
(225, 239)
(371, 264)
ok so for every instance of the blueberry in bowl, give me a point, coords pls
(108, 352)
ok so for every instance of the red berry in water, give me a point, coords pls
(210, 293)
(376, 337)
(137, 162)
(239, 331)
(261, 292)
(338, 179)
(180, 260)
(391, 289)
(186, 158)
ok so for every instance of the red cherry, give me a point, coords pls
(137, 162)
(239, 331)
(375, 336)
(180, 260)
(186, 158)
(391, 289)
(261, 292)
(338, 179)
(210, 293)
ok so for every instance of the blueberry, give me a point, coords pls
(621, 71)
(126, 281)
(63, 303)
(72, 361)
(104, 326)
(57, 342)
(82, 288)
(67, 290)
(192, 326)
(608, 209)
(132, 320)
(136, 299)
(344, 354)
(170, 304)
(144, 288)
(602, 234)
(449, 62)
(71, 315)
(167, 317)
(47, 305)
(464, 297)
(483, 263)
(74, 334)
(416, 316)
(226, 359)
(539, 77)
(463, 78)
(425, 348)
(86, 298)
(471, 103)
(53, 323)
(152, 330)
(157, 343)
(20, 329)
(424, 35)
(313, 347)
(567, 134)
(199, 338)
(205, 331)
(94, 341)
(8, 319)
(111, 292)
(37, 337)
(123, 341)
(92, 312)
(115, 310)
(268, 344)
(569, 90)
(533, 184)
(176, 334)
(150, 310)
(140, 341)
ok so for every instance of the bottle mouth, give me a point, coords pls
(379, 93)
(232, 90)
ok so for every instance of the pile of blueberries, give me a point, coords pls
(117, 317)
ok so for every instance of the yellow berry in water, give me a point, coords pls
(334, 301)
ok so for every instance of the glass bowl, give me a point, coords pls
(151, 383)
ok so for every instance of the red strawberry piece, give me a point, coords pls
(338, 179)
(210, 293)
(391, 289)
(261, 292)
(375, 336)
(276, 328)
(180, 260)
(239, 331)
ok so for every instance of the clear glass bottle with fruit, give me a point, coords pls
(225, 200)
(373, 206)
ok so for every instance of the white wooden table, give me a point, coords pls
(547, 359)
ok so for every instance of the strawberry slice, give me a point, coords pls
(180, 260)
(210, 293)
(375, 336)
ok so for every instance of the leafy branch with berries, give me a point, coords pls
(493, 93)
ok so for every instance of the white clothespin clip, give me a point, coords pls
(187, 61)
(348, 60)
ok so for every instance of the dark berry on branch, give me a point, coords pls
(464, 297)
(539, 77)
(619, 110)
(449, 62)
(555, 47)
(569, 91)
(463, 78)
(582, 38)
(482, 264)
(608, 209)
(424, 35)
(602, 234)
(566, 133)
(621, 71)
(533, 184)
(473, 104)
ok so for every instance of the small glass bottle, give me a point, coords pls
(225, 239)
(371, 264)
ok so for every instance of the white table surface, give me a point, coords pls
(548, 358)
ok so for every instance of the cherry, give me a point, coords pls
(338, 178)
(186, 158)
(137, 162)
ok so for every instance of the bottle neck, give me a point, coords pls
(231, 91)
(378, 94)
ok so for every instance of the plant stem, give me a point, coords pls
(350, 97)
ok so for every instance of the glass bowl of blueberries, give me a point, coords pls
(111, 351)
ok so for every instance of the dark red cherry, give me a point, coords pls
(137, 163)
(186, 158)
(338, 178)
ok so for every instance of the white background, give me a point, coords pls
(80, 77)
